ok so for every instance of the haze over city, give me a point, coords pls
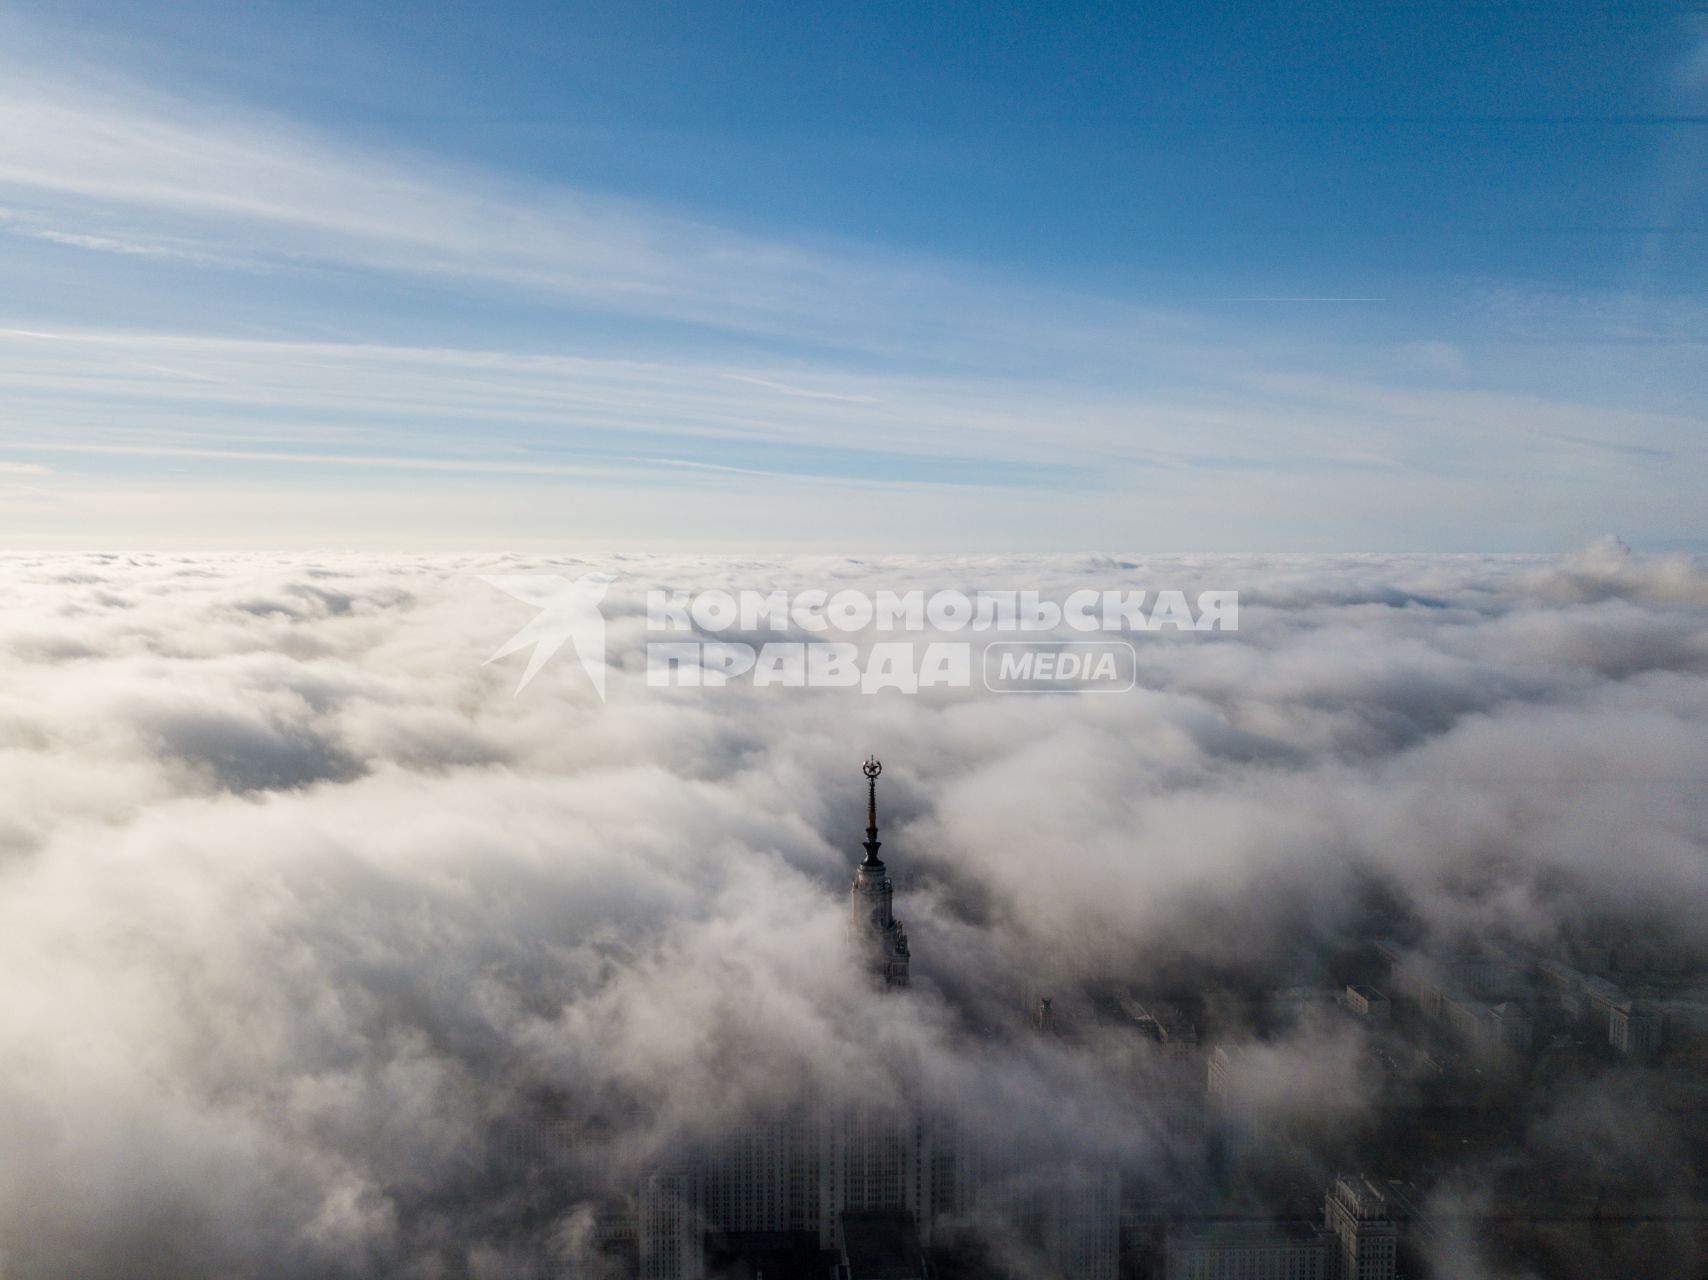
(868, 643)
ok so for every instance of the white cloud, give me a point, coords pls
(111, 165)
(297, 897)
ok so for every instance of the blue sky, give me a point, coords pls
(1171, 277)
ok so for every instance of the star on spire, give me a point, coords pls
(872, 768)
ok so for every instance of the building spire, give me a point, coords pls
(878, 937)
(872, 769)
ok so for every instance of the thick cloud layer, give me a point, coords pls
(300, 904)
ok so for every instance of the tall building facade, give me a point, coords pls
(801, 1173)
(671, 1223)
(764, 1176)
(876, 1158)
(1633, 1028)
(1366, 1239)
(1073, 1212)
(874, 934)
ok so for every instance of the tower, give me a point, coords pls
(1365, 1237)
(877, 938)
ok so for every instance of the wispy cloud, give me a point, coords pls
(1201, 459)
(24, 225)
(114, 385)
(677, 346)
(126, 169)
(785, 389)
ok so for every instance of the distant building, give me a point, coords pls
(1560, 975)
(1480, 974)
(1631, 1028)
(1165, 1023)
(763, 1177)
(1510, 1025)
(1464, 1015)
(1634, 1028)
(1080, 1227)
(875, 1160)
(1247, 1251)
(1044, 1016)
(1604, 996)
(672, 1224)
(1067, 1212)
(1367, 1002)
(1365, 1238)
(796, 1176)
(1292, 1004)
(1450, 992)
(1218, 1075)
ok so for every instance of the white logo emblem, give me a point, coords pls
(568, 611)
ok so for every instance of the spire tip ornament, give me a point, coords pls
(872, 768)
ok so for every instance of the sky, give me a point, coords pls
(1421, 277)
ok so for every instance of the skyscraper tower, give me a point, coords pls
(875, 935)
(1365, 1237)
